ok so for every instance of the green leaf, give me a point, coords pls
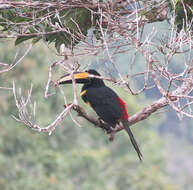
(35, 40)
(50, 37)
(22, 39)
(58, 43)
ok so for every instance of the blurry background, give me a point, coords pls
(83, 158)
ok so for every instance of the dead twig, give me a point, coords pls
(28, 117)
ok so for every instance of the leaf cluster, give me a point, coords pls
(60, 26)
(183, 12)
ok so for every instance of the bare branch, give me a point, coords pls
(27, 117)
(46, 94)
(145, 112)
(11, 66)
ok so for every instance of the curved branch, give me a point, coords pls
(145, 112)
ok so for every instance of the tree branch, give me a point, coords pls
(145, 112)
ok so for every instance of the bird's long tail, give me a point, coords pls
(133, 141)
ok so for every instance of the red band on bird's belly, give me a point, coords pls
(125, 115)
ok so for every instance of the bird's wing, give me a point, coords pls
(104, 101)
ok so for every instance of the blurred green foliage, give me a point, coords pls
(64, 26)
(72, 157)
(183, 13)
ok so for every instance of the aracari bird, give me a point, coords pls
(105, 102)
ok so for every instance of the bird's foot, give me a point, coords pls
(104, 126)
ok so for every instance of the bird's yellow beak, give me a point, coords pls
(80, 77)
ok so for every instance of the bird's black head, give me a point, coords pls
(93, 72)
(93, 80)
(88, 78)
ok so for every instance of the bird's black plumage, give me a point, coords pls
(106, 103)
(102, 99)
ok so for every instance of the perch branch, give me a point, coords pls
(145, 112)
